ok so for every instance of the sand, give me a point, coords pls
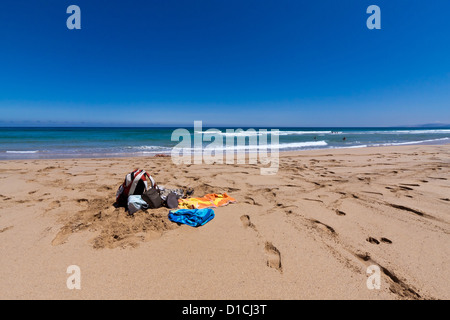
(308, 232)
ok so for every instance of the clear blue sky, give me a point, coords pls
(226, 62)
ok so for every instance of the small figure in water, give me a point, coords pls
(344, 138)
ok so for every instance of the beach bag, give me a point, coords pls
(152, 198)
(136, 183)
(172, 200)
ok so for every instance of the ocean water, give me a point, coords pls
(49, 143)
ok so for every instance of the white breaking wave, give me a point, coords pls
(268, 132)
(292, 145)
(353, 147)
(390, 144)
(302, 144)
(422, 131)
(287, 133)
(232, 134)
(149, 148)
(255, 132)
(409, 142)
(433, 131)
(156, 152)
(34, 151)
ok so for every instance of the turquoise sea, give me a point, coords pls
(48, 143)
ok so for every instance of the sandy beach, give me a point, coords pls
(308, 232)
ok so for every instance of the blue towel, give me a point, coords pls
(191, 217)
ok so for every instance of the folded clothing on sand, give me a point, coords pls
(136, 203)
(181, 193)
(211, 200)
(164, 192)
(191, 217)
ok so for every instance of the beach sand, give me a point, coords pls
(308, 232)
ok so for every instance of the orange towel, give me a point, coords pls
(211, 200)
(220, 200)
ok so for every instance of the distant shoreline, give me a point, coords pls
(156, 155)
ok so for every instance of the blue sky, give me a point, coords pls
(243, 63)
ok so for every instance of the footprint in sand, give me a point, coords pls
(245, 219)
(365, 256)
(324, 227)
(375, 241)
(6, 229)
(273, 256)
(372, 240)
(252, 201)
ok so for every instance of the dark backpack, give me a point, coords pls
(152, 197)
(136, 183)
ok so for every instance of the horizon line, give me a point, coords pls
(218, 126)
